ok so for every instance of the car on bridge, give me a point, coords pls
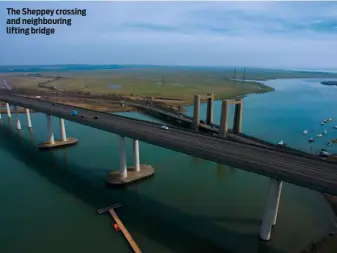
(324, 153)
(164, 127)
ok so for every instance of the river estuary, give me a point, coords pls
(49, 199)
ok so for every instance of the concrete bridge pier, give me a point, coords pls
(136, 155)
(196, 112)
(18, 123)
(224, 118)
(271, 209)
(127, 175)
(209, 112)
(8, 111)
(237, 125)
(51, 143)
(238, 116)
(122, 158)
(29, 122)
(63, 130)
(50, 130)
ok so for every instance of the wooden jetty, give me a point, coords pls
(103, 210)
(121, 226)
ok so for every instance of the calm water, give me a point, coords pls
(115, 86)
(49, 199)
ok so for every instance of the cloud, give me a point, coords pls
(265, 34)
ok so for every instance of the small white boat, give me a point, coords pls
(305, 131)
(330, 119)
(335, 127)
(322, 123)
(319, 135)
(325, 132)
(311, 139)
(329, 143)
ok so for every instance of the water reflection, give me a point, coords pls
(197, 160)
(31, 135)
(65, 157)
(224, 171)
(9, 122)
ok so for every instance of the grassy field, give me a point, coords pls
(165, 82)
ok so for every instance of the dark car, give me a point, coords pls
(83, 116)
(95, 117)
(54, 104)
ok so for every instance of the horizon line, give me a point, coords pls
(175, 65)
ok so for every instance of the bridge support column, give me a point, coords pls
(136, 154)
(0, 115)
(122, 158)
(29, 122)
(271, 209)
(50, 130)
(8, 111)
(224, 118)
(51, 143)
(18, 123)
(238, 117)
(196, 112)
(63, 130)
(209, 112)
(132, 174)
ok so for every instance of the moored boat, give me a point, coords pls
(305, 131)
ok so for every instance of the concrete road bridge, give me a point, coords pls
(279, 165)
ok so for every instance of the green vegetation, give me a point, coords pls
(165, 82)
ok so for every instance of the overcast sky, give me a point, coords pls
(260, 34)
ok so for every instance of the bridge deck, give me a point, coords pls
(310, 172)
